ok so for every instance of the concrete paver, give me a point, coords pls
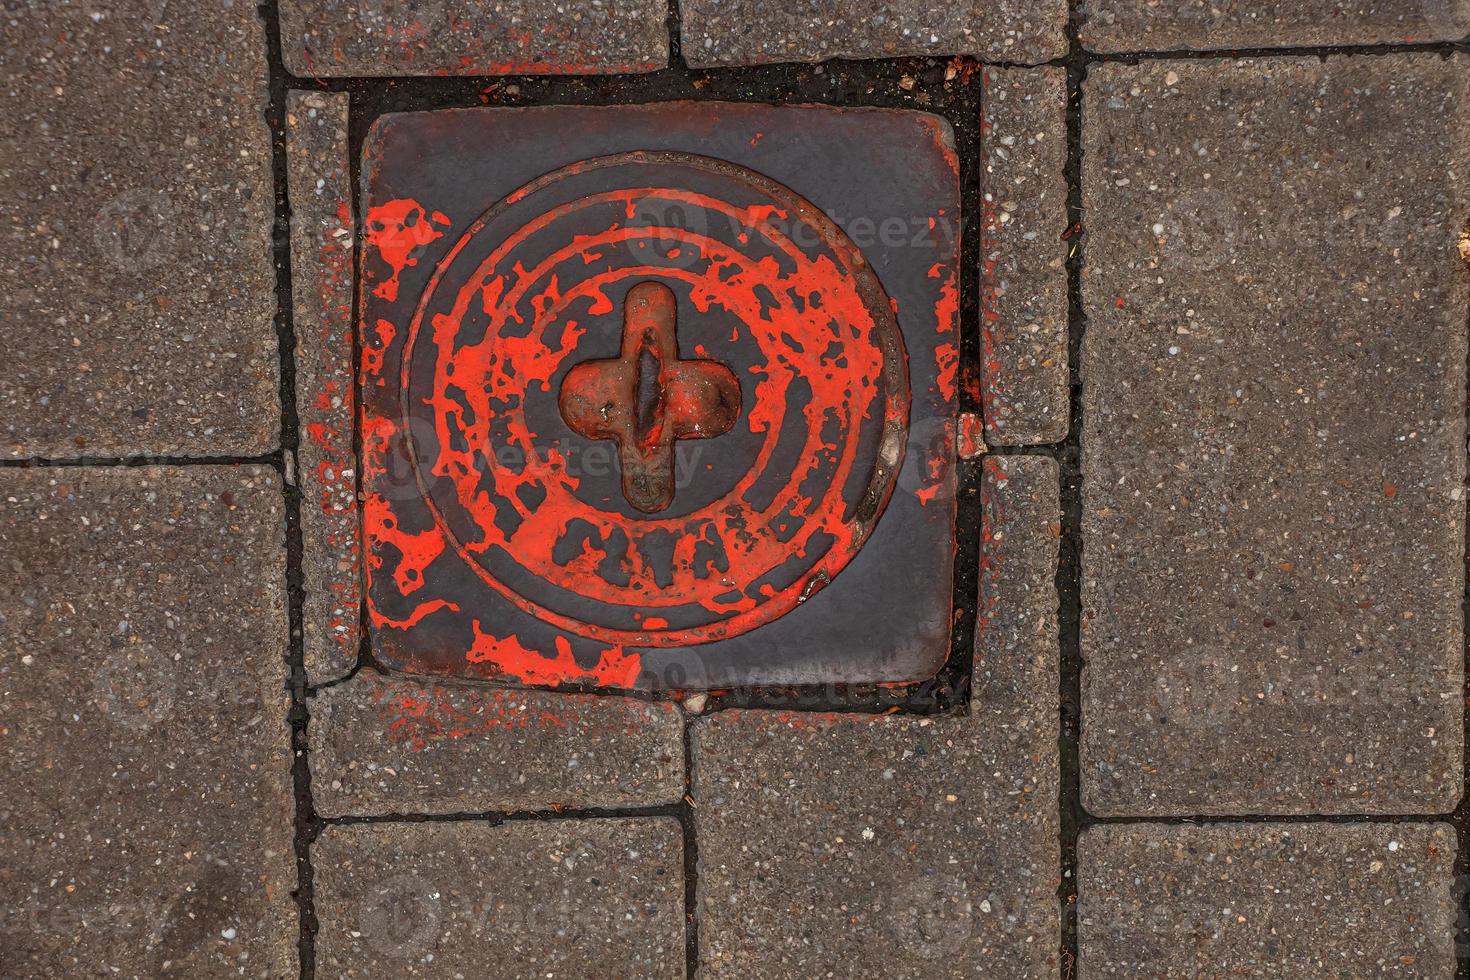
(320, 191)
(321, 38)
(526, 898)
(135, 258)
(850, 845)
(395, 746)
(1267, 900)
(1204, 25)
(743, 32)
(1024, 383)
(146, 823)
(1274, 438)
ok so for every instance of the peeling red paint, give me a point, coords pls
(947, 355)
(479, 385)
(615, 668)
(500, 324)
(398, 230)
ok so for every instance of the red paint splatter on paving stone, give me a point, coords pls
(399, 229)
(330, 433)
(418, 717)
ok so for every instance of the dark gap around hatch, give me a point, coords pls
(950, 88)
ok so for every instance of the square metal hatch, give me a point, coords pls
(660, 396)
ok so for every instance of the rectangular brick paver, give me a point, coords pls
(396, 746)
(1267, 900)
(146, 821)
(1024, 383)
(587, 898)
(1203, 25)
(320, 189)
(325, 38)
(743, 32)
(135, 262)
(855, 845)
(1274, 445)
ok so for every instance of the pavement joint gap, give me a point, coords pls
(691, 858)
(498, 817)
(299, 715)
(1069, 558)
(1460, 817)
(272, 459)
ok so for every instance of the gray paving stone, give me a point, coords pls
(146, 822)
(320, 190)
(395, 746)
(324, 38)
(546, 898)
(1203, 25)
(745, 32)
(135, 263)
(859, 845)
(1267, 900)
(1274, 445)
(1024, 384)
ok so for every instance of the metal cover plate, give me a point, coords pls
(660, 397)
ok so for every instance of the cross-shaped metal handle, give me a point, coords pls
(646, 398)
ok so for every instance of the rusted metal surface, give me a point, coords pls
(625, 419)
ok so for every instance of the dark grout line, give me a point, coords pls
(1069, 563)
(367, 663)
(299, 715)
(678, 65)
(1304, 51)
(274, 459)
(675, 22)
(498, 817)
(1461, 816)
(1046, 450)
(691, 857)
(1092, 820)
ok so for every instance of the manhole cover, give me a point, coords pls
(660, 397)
